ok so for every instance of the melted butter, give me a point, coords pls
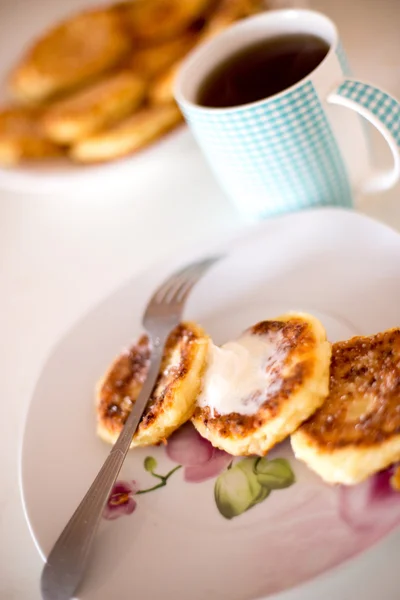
(240, 374)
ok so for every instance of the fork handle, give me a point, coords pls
(68, 558)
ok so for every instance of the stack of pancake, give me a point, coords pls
(339, 403)
(99, 85)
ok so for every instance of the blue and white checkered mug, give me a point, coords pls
(296, 149)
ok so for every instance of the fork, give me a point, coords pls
(66, 564)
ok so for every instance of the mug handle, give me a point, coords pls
(383, 111)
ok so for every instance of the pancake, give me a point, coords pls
(21, 137)
(357, 430)
(150, 61)
(98, 105)
(128, 135)
(74, 51)
(174, 398)
(161, 90)
(228, 12)
(152, 21)
(259, 389)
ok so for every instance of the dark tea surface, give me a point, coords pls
(262, 70)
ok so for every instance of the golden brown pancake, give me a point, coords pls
(150, 61)
(127, 136)
(96, 106)
(357, 430)
(297, 380)
(161, 90)
(154, 21)
(21, 137)
(174, 398)
(395, 480)
(227, 12)
(74, 51)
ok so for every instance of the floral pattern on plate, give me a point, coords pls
(239, 485)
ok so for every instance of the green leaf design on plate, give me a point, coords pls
(258, 491)
(237, 489)
(275, 474)
(232, 493)
(150, 464)
(249, 482)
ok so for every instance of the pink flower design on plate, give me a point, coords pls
(199, 458)
(121, 501)
(369, 504)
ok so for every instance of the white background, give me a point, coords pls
(60, 255)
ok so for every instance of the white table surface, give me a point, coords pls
(60, 255)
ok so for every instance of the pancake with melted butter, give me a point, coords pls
(174, 398)
(357, 430)
(292, 381)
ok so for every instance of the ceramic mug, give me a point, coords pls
(300, 148)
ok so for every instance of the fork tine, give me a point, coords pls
(192, 274)
(161, 295)
(168, 291)
(182, 291)
(190, 279)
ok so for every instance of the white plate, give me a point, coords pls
(340, 266)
